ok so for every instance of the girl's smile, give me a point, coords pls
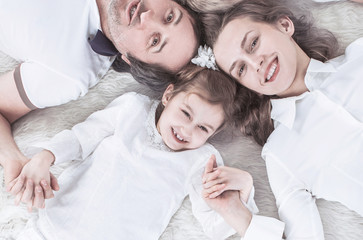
(188, 120)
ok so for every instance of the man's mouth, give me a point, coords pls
(132, 10)
(273, 70)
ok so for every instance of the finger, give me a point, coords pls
(216, 193)
(211, 183)
(28, 193)
(18, 185)
(30, 206)
(18, 196)
(54, 182)
(38, 197)
(210, 164)
(211, 176)
(219, 188)
(48, 193)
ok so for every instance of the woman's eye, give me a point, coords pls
(203, 129)
(170, 17)
(186, 114)
(241, 70)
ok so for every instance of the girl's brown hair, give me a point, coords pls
(215, 87)
(254, 115)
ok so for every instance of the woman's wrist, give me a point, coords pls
(238, 217)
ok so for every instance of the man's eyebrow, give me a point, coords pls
(161, 46)
(179, 18)
(242, 47)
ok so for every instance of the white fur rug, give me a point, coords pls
(345, 19)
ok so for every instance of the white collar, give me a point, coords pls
(154, 136)
(284, 109)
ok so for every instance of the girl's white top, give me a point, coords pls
(129, 185)
(316, 149)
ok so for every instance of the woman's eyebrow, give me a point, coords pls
(243, 42)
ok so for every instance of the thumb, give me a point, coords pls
(211, 163)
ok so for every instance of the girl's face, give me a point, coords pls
(260, 56)
(187, 120)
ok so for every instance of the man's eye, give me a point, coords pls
(170, 17)
(203, 129)
(254, 43)
(155, 41)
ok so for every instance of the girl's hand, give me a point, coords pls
(33, 179)
(216, 180)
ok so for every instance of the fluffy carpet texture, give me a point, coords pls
(343, 18)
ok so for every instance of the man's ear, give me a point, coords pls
(167, 94)
(286, 25)
(125, 59)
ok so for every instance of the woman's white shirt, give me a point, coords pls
(316, 149)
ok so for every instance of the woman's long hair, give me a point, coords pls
(254, 116)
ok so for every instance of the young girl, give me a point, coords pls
(315, 149)
(141, 158)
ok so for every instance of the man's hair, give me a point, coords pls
(156, 77)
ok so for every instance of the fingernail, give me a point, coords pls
(44, 182)
(38, 189)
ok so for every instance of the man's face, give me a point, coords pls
(153, 31)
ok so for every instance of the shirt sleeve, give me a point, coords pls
(40, 86)
(264, 228)
(296, 206)
(83, 138)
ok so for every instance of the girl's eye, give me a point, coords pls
(186, 114)
(170, 17)
(203, 129)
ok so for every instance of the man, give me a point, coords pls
(66, 46)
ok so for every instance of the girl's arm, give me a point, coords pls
(296, 206)
(83, 138)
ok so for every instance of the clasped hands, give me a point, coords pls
(35, 182)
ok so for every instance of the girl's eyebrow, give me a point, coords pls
(243, 42)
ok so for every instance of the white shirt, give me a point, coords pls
(130, 183)
(316, 149)
(51, 39)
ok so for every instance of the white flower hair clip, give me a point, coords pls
(205, 58)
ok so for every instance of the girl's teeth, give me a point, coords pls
(177, 136)
(271, 72)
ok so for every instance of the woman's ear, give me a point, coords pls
(167, 94)
(286, 25)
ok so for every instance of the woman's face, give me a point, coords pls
(260, 56)
(187, 120)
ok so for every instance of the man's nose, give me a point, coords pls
(146, 19)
